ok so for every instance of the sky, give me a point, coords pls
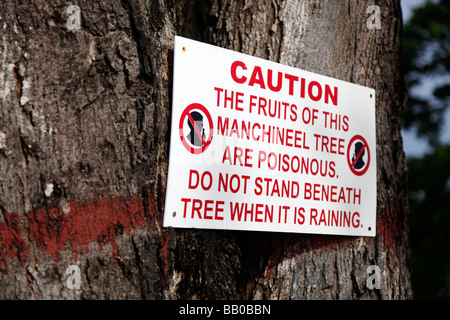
(408, 6)
(413, 145)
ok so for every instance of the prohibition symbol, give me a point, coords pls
(196, 128)
(358, 155)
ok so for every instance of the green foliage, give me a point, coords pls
(426, 57)
(429, 189)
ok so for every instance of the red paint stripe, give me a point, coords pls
(12, 244)
(92, 221)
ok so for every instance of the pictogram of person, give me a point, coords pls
(360, 162)
(193, 136)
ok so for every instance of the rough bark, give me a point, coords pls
(84, 126)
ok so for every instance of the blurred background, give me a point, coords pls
(426, 138)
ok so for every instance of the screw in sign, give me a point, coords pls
(196, 128)
(358, 155)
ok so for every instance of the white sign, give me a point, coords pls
(256, 145)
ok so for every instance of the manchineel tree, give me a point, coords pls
(426, 58)
(84, 128)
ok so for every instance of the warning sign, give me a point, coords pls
(256, 145)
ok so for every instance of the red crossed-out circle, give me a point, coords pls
(185, 116)
(351, 163)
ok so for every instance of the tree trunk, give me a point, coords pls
(84, 131)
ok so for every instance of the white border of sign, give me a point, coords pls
(319, 176)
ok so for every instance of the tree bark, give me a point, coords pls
(84, 132)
